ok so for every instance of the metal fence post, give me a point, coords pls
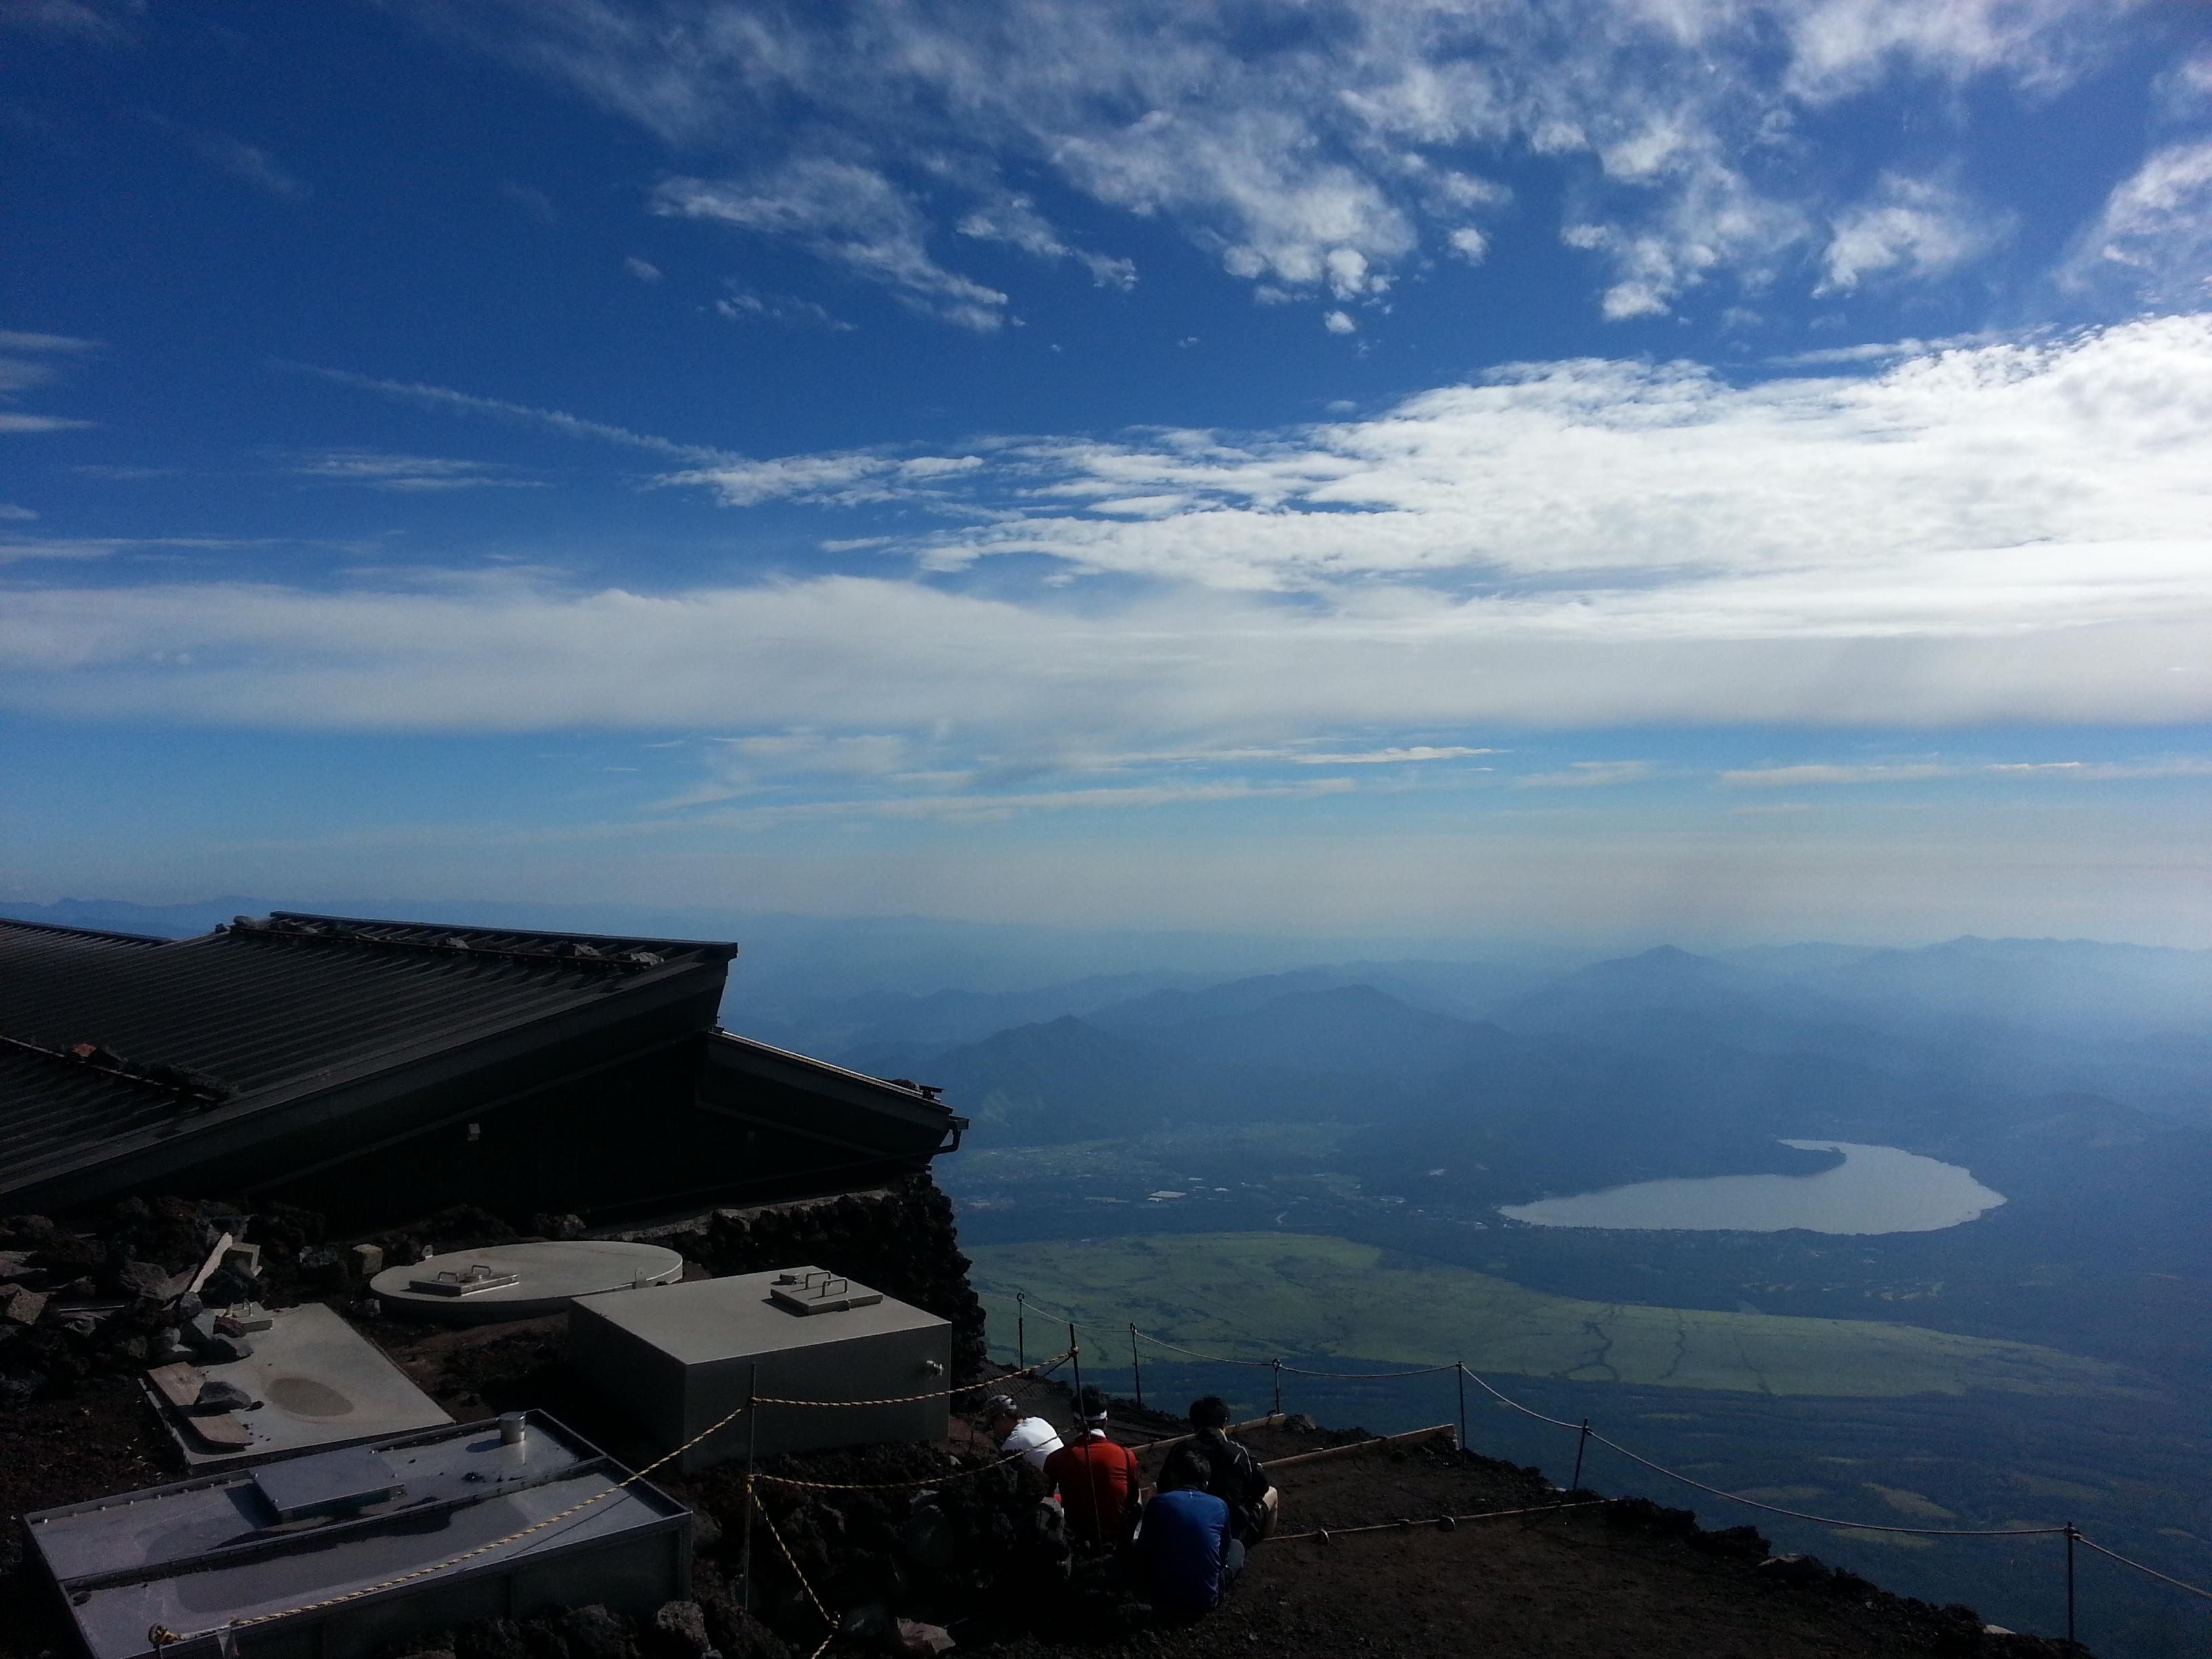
(1021, 1336)
(1459, 1372)
(1136, 1368)
(1582, 1442)
(1278, 1387)
(2069, 1584)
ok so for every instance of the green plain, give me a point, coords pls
(1258, 1295)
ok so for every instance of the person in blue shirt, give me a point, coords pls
(1188, 1556)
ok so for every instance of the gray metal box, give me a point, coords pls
(676, 1359)
(195, 1555)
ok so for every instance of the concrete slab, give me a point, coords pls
(322, 1385)
(194, 1555)
(546, 1276)
(678, 1359)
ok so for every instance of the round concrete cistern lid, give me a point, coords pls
(520, 1281)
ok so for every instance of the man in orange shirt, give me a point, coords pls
(1097, 1480)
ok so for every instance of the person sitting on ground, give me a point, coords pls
(1097, 1480)
(1189, 1554)
(1011, 1432)
(1238, 1478)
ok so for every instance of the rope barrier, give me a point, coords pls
(892, 1486)
(1292, 1371)
(1585, 1430)
(1830, 1520)
(1329, 1535)
(790, 1560)
(1040, 1369)
(2081, 1538)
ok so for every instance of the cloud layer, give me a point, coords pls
(1971, 490)
(2010, 531)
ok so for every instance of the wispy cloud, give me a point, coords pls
(1908, 229)
(1791, 777)
(2153, 242)
(11, 422)
(743, 305)
(1590, 774)
(18, 550)
(1015, 220)
(851, 216)
(856, 655)
(2009, 532)
(848, 478)
(28, 359)
(990, 808)
(1987, 489)
(1410, 753)
(551, 420)
(1323, 156)
(253, 164)
(411, 474)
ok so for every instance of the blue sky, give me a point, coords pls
(1612, 470)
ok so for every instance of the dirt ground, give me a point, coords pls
(1584, 1583)
(1610, 1581)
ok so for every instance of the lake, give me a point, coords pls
(1875, 1189)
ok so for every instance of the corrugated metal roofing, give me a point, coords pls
(267, 1009)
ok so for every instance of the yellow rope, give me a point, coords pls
(790, 1560)
(892, 1486)
(910, 1399)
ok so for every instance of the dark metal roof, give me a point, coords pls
(111, 1038)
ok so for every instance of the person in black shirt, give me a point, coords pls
(1238, 1479)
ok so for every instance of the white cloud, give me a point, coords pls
(551, 420)
(1470, 244)
(2010, 531)
(14, 422)
(1589, 774)
(848, 216)
(644, 270)
(1337, 322)
(1320, 158)
(256, 166)
(846, 478)
(26, 361)
(69, 345)
(1909, 228)
(743, 305)
(15, 550)
(1015, 220)
(412, 474)
(18, 514)
(993, 808)
(89, 22)
(1413, 752)
(846, 655)
(1967, 488)
(2153, 242)
(73, 549)
(1791, 777)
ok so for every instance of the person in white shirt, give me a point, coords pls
(1032, 1437)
